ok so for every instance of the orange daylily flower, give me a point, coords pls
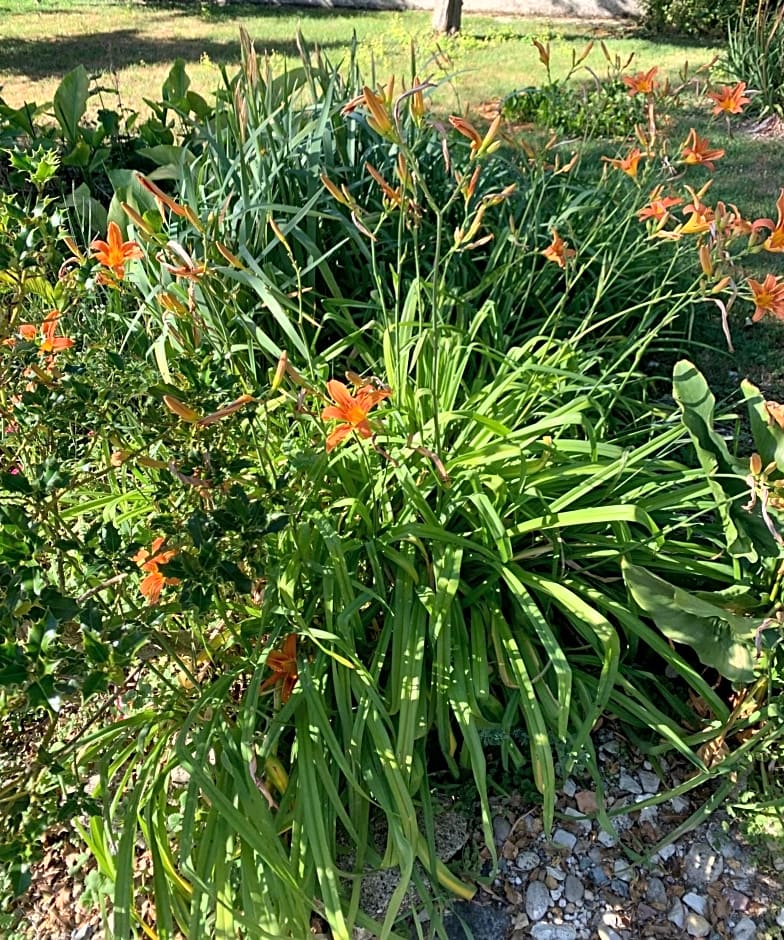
(696, 149)
(729, 100)
(283, 664)
(768, 297)
(148, 561)
(49, 343)
(351, 410)
(658, 207)
(189, 269)
(628, 164)
(775, 241)
(557, 251)
(642, 83)
(114, 252)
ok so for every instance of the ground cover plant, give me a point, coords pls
(331, 474)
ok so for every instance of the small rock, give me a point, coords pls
(482, 922)
(736, 900)
(677, 914)
(83, 933)
(586, 801)
(607, 839)
(569, 787)
(537, 900)
(745, 929)
(650, 782)
(696, 926)
(679, 804)
(656, 893)
(780, 918)
(564, 839)
(619, 888)
(623, 870)
(702, 865)
(694, 901)
(553, 932)
(649, 814)
(665, 852)
(573, 889)
(607, 933)
(555, 873)
(501, 829)
(629, 784)
(527, 861)
(598, 876)
(584, 825)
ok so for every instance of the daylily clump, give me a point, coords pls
(351, 410)
(48, 343)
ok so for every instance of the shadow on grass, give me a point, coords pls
(116, 49)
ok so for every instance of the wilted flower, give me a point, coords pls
(283, 664)
(628, 164)
(557, 251)
(148, 561)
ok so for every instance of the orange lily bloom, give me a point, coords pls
(768, 297)
(557, 251)
(283, 664)
(729, 100)
(658, 207)
(696, 149)
(114, 252)
(479, 145)
(628, 164)
(642, 83)
(49, 343)
(351, 410)
(775, 241)
(155, 581)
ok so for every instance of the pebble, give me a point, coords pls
(650, 782)
(656, 893)
(607, 839)
(736, 900)
(623, 870)
(780, 918)
(696, 926)
(84, 932)
(553, 932)
(573, 889)
(679, 804)
(666, 852)
(564, 839)
(702, 865)
(527, 861)
(501, 829)
(598, 876)
(677, 914)
(569, 787)
(745, 929)
(607, 933)
(619, 887)
(694, 901)
(629, 784)
(537, 900)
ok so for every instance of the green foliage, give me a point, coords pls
(603, 109)
(306, 640)
(688, 17)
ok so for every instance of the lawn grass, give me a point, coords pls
(131, 47)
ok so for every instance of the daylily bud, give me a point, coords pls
(755, 464)
(118, 457)
(706, 262)
(280, 371)
(180, 409)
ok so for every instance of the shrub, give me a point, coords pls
(688, 17)
(755, 54)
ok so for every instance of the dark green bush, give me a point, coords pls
(688, 17)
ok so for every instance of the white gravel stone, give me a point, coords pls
(650, 782)
(656, 893)
(650, 814)
(501, 829)
(629, 784)
(569, 787)
(745, 929)
(537, 900)
(556, 873)
(702, 865)
(527, 861)
(694, 901)
(579, 820)
(606, 839)
(679, 804)
(780, 918)
(607, 933)
(677, 914)
(623, 870)
(553, 932)
(574, 889)
(565, 839)
(666, 852)
(696, 926)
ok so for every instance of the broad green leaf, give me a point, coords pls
(70, 103)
